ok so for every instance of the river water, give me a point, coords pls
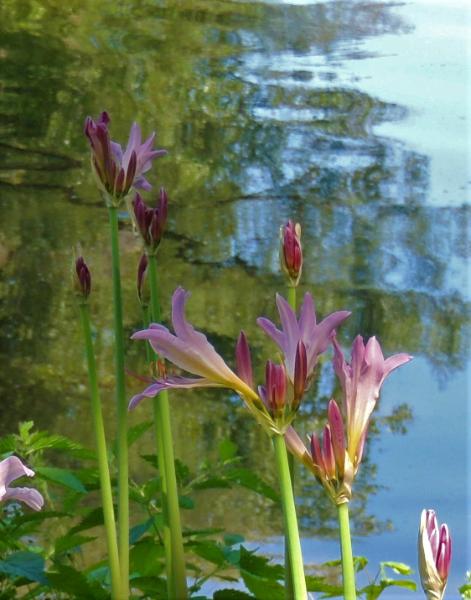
(350, 117)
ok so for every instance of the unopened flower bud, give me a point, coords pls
(83, 280)
(151, 222)
(291, 253)
(434, 545)
(275, 387)
(142, 288)
(243, 360)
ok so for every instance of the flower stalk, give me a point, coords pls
(103, 468)
(173, 540)
(122, 412)
(348, 571)
(299, 591)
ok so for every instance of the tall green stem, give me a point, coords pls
(290, 521)
(291, 463)
(173, 540)
(103, 469)
(121, 409)
(348, 570)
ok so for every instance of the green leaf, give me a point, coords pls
(465, 590)
(250, 480)
(186, 502)
(135, 432)
(24, 429)
(231, 539)
(262, 587)
(210, 551)
(62, 477)
(397, 567)
(146, 558)
(42, 440)
(227, 450)
(139, 530)
(259, 565)
(229, 594)
(69, 580)
(319, 584)
(68, 542)
(8, 444)
(24, 564)
(216, 482)
(92, 519)
(154, 587)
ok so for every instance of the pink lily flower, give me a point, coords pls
(315, 337)
(118, 171)
(361, 381)
(336, 458)
(274, 406)
(10, 469)
(189, 350)
(434, 545)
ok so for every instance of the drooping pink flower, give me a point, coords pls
(118, 171)
(10, 469)
(361, 380)
(291, 252)
(191, 351)
(434, 546)
(315, 337)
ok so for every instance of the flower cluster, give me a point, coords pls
(335, 459)
(117, 171)
(275, 403)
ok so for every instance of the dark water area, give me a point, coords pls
(349, 117)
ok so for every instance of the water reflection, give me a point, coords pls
(261, 125)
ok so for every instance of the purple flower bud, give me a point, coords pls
(243, 360)
(275, 388)
(328, 454)
(291, 253)
(141, 279)
(84, 282)
(338, 436)
(151, 221)
(300, 374)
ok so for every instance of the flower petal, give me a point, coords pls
(29, 496)
(170, 383)
(12, 468)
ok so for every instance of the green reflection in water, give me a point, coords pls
(254, 137)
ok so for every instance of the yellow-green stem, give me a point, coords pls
(173, 540)
(290, 520)
(348, 570)
(121, 410)
(102, 456)
(291, 463)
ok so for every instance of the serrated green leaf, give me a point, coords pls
(229, 594)
(259, 565)
(92, 519)
(231, 539)
(146, 558)
(137, 431)
(397, 567)
(250, 480)
(227, 450)
(216, 482)
(8, 444)
(319, 584)
(24, 564)
(69, 580)
(68, 542)
(262, 587)
(24, 429)
(42, 440)
(62, 477)
(210, 551)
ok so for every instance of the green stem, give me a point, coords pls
(173, 540)
(103, 469)
(290, 521)
(291, 463)
(348, 570)
(121, 409)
